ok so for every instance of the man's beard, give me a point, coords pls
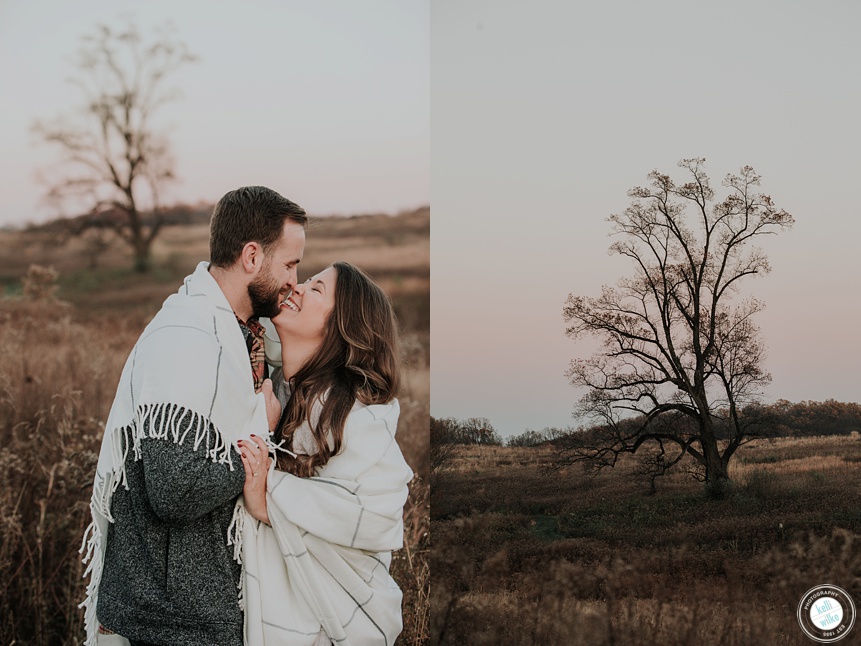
(265, 296)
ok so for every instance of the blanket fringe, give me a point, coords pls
(94, 560)
(274, 448)
(236, 530)
(235, 535)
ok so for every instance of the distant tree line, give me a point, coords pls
(98, 230)
(475, 430)
(780, 419)
(808, 418)
(534, 438)
(108, 219)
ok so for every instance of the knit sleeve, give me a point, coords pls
(182, 481)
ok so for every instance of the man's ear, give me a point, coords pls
(251, 257)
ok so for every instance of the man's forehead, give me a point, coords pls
(293, 226)
(293, 240)
(293, 229)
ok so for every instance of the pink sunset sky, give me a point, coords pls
(326, 102)
(545, 114)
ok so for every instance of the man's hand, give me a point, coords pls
(273, 406)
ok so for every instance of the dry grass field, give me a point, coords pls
(523, 554)
(60, 361)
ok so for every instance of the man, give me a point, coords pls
(161, 548)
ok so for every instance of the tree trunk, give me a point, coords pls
(142, 256)
(716, 469)
(138, 236)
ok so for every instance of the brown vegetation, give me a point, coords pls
(524, 554)
(60, 361)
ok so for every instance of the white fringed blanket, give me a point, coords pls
(192, 356)
(324, 561)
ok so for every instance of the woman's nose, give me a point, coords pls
(299, 289)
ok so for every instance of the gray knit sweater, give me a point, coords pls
(169, 576)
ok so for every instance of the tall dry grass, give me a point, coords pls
(411, 565)
(55, 390)
(526, 555)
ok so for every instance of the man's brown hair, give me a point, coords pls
(249, 214)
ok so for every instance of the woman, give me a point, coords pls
(325, 518)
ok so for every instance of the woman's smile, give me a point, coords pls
(290, 303)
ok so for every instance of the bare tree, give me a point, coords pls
(114, 159)
(479, 430)
(681, 355)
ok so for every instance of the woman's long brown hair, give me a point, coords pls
(358, 359)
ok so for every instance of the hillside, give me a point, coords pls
(95, 269)
(526, 554)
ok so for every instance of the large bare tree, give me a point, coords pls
(681, 355)
(115, 160)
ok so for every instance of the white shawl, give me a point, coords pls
(192, 355)
(324, 561)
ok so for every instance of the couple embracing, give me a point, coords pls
(249, 488)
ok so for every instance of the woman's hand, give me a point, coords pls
(256, 460)
(273, 406)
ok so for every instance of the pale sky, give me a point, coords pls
(326, 102)
(546, 113)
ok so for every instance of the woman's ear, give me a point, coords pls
(251, 257)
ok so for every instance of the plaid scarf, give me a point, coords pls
(253, 333)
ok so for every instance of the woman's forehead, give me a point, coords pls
(328, 276)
